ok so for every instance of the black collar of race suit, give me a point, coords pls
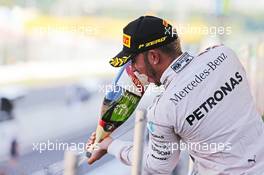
(175, 67)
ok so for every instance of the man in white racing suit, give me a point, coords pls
(206, 107)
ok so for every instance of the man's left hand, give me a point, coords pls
(100, 150)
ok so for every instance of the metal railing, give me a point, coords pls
(72, 160)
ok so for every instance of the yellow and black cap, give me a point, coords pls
(142, 34)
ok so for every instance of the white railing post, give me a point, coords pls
(139, 134)
(70, 163)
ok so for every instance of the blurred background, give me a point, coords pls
(54, 62)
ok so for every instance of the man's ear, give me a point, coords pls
(154, 57)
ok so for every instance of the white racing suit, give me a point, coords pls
(206, 109)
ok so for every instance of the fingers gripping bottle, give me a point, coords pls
(120, 102)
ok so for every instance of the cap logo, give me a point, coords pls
(126, 40)
(160, 40)
(117, 62)
(165, 23)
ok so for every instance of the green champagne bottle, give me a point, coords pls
(120, 101)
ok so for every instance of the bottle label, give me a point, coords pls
(120, 110)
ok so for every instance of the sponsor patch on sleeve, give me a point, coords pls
(182, 62)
